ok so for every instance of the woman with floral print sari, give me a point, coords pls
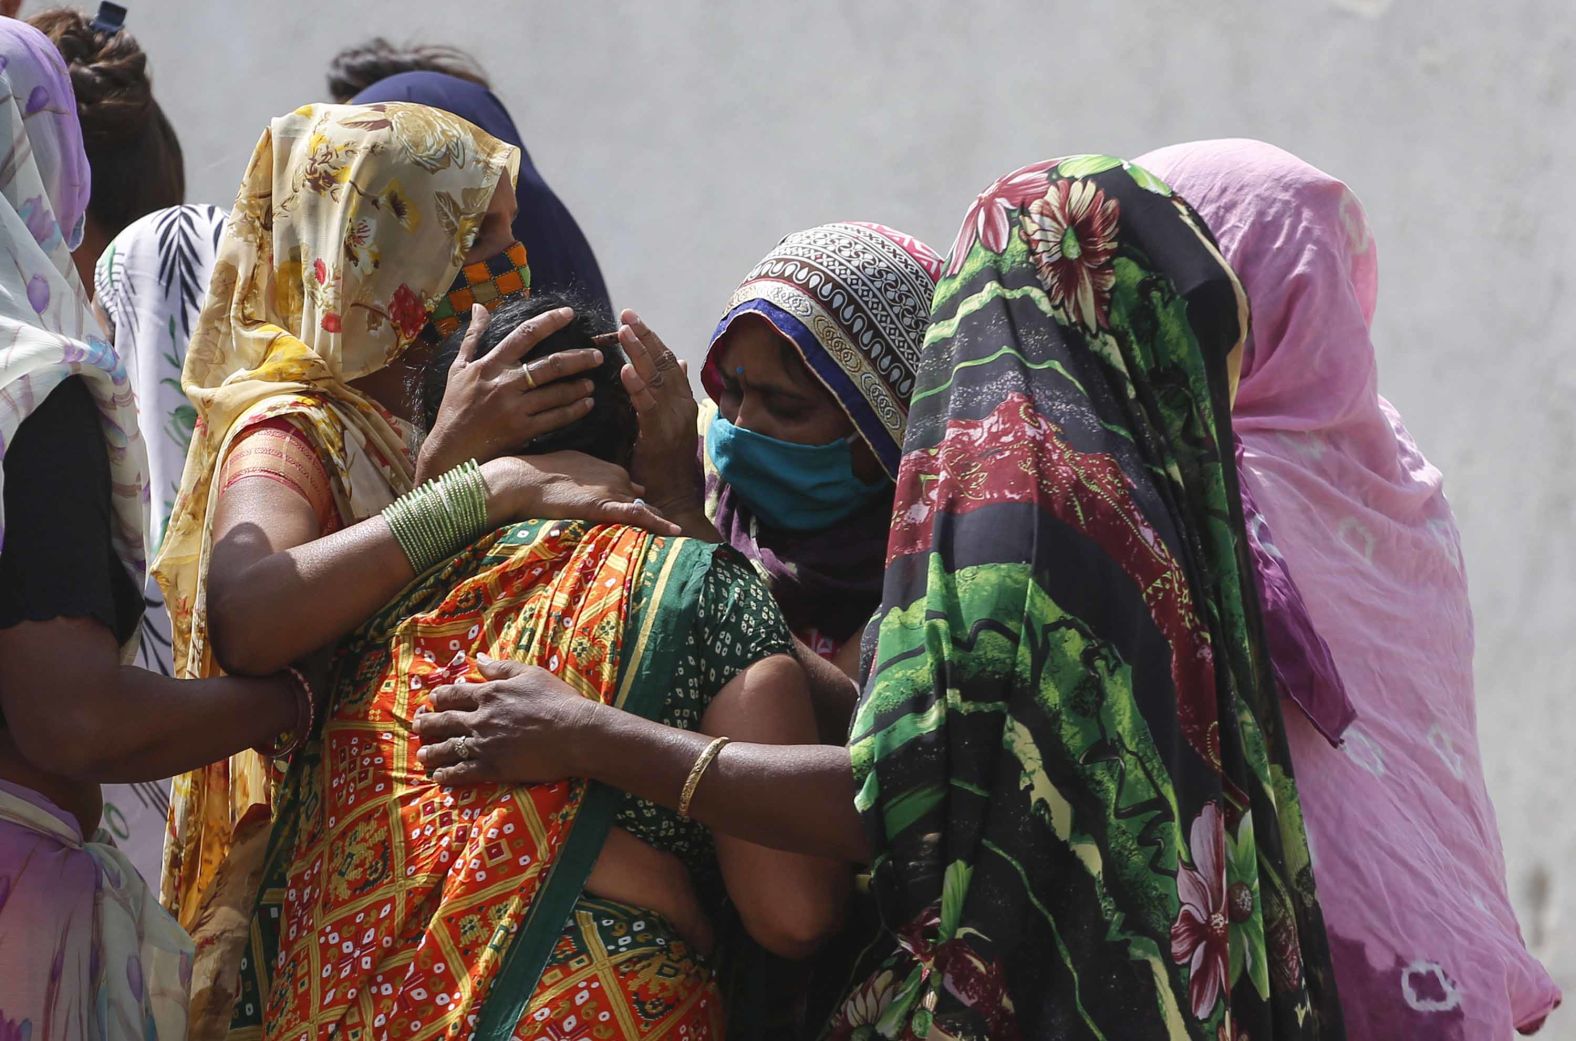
(349, 224)
(1069, 761)
(1071, 628)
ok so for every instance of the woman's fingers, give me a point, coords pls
(533, 425)
(527, 335)
(545, 371)
(446, 752)
(661, 366)
(637, 514)
(640, 394)
(453, 697)
(644, 352)
(433, 727)
(639, 358)
(469, 772)
(501, 668)
(473, 336)
(555, 395)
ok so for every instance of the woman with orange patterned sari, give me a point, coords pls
(415, 910)
(350, 223)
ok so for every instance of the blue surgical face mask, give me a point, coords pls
(788, 485)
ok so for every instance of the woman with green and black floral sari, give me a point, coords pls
(1068, 758)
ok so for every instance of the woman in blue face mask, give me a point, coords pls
(809, 374)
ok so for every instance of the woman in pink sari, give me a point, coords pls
(1406, 849)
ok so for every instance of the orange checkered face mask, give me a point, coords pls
(487, 282)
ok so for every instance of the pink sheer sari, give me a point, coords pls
(1406, 849)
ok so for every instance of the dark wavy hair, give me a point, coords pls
(132, 148)
(609, 430)
(354, 69)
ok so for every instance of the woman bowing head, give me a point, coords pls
(354, 227)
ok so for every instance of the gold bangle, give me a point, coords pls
(702, 762)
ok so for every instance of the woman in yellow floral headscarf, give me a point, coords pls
(349, 225)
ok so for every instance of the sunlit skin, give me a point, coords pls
(497, 228)
(768, 389)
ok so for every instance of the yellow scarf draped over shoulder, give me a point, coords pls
(350, 224)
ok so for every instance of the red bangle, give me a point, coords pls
(290, 740)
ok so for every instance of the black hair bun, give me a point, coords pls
(109, 75)
(132, 148)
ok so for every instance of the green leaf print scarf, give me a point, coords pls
(1069, 754)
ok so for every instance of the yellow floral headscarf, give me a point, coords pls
(350, 224)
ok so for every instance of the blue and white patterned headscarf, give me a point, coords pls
(854, 298)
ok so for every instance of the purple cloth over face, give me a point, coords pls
(1305, 672)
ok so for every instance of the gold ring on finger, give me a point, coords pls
(530, 380)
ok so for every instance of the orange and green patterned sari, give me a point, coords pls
(393, 907)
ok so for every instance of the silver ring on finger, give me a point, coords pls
(639, 501)
(462, 748)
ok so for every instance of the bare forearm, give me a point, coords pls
(287, 604)
(832, 694)
(279, 589)
(74, 711)
(158, 727)
(798, 798)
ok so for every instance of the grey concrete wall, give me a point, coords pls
(687, 136)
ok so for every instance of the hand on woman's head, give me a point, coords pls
(665, 460)
(527, 378)
(490, 403)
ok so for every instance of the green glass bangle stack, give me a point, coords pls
(433, 522)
